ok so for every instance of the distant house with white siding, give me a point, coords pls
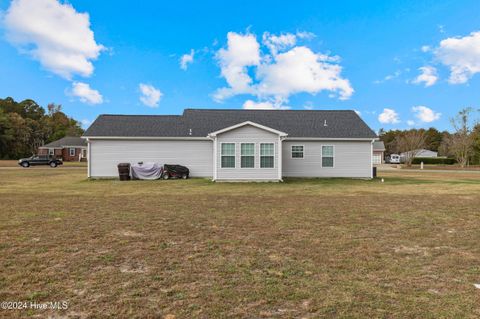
(419, 153)
(378, 152)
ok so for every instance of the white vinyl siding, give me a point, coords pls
(297, 151)
(248, 134)
(228, 155)
(267, 155)
(247, 153)
(105, 155)
(352, 159)
(328, 156)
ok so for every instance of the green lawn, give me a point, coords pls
(405, 248)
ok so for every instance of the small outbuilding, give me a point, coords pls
(378, 153)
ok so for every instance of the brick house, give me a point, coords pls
(69, 149)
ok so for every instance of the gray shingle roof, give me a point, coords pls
(378, 146)
(340, 124)
(67, 141)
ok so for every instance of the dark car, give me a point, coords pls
(39, 160)
(175, 171)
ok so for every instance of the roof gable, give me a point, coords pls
(262, 127)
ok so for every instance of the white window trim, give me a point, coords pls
(291, 152)
(70, 151)
(51, 151)
(321, 158)
(260, 155)
(254, 157)
(234, 155)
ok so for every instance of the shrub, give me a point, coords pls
(434, 160)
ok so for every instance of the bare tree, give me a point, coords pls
(410, 143)
(461, 143)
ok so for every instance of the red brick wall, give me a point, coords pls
(66, 154)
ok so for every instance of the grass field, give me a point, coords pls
(405, 248)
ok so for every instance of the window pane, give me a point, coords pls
(327, 161)
(248, 162)
(266, 149)
(297, 148)
(228, 161)
(297, 154)
(228, 149)
(327, 151)
(248, 149)
(266, 161)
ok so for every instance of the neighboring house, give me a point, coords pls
(418, 153)
(236, 144)
(69, 148)
(378, 152)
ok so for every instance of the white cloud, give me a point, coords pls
(85, 123)
(410, 123)
(389, 116)
(187, 59)
(425, 114)
(425, 48)
(53, 33)
(242, 51)
(461, 55)
(428, 76)
(265, 105)
(389, 77)
(150, 95)
(85, 93)
(289, 70)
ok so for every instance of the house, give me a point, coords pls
(69, 148)
(263, 145)
(418, 153)
(378, 152)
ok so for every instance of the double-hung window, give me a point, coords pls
(51, 151)
(247, 153)
(72, 151)
(228, 155)
(327, 156)
(267, 155)
(297, 151)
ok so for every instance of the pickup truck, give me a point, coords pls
(39, 160)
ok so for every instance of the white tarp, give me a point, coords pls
(146, 170)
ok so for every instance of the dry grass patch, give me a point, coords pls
(407, 247)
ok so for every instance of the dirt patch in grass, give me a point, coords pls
(407, 247)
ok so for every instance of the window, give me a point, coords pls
(71, 151)
(51, 151)
(327, 156)
(297, 151)
(266, 155)
(84, 153)
(228, 155)
(247, 153)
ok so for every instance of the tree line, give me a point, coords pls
(25, 125)
(462, 144)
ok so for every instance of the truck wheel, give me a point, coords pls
(53, 164)
(166, 176)
(25, 164)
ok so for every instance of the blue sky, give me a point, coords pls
(399, 63)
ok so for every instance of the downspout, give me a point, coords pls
(371, 158)
(89, 168)
(214, 140)
(280, 156)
